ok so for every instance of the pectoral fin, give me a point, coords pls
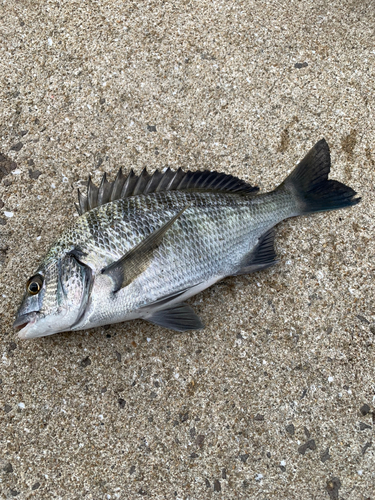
(137, 260)
(179, 317)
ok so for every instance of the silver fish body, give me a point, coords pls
(141, 256)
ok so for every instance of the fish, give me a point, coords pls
(144, 244)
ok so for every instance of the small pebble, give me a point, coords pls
(290, 429)
(365, 409)
(34, 174)
(17, 147)
(363, 426)
(8, 468)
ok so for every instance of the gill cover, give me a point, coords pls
(76, 283)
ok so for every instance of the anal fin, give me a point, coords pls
(262, 256)
(179, 317)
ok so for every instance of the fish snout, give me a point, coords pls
(23, 322)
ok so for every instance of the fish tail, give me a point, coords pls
(310, 186)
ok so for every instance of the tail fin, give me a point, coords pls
(310, 186)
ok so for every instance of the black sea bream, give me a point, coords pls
(144, 244)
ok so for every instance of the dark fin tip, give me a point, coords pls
(310, 185)
(179, 317)
(262, 256)
(131, 185)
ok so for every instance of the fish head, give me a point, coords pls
(55, 297)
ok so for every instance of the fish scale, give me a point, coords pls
(112, 231)
(168, 236)
(192, 251)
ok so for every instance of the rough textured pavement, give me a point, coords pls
(274, 399)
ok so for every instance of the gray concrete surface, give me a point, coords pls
(274, 399)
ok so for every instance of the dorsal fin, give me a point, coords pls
(145, 183)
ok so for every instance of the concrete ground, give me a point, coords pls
(275, 398)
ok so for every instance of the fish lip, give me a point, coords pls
(24, 322)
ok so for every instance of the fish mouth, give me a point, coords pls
(23, 323)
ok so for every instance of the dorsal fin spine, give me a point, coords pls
(117, 185)
(140, 184)
(92, 195)
(82, 203)
(132, 185)
(101, 192)
(125, 192)
(170, 183)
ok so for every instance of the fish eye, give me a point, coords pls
(34, 285)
